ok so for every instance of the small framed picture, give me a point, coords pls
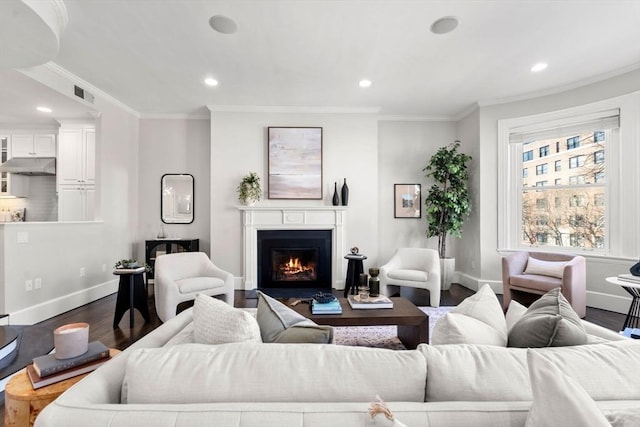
(407, 200)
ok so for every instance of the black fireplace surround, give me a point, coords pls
(305, 255)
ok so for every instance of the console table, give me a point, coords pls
(156, 247)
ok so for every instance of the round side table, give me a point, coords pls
(22, 403)
(633, 316)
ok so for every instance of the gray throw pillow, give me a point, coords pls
(280, 324)
(548, 322)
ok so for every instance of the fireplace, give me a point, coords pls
(294, 259)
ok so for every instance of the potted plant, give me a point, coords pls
(447, 202)
(249, 190)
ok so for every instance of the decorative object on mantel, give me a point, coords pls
(249, 191)
(336, 200)
(345, 193)
(447, 202)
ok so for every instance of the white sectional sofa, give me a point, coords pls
(156, 383)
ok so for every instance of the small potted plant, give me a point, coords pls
(249, 190)
(132, 263)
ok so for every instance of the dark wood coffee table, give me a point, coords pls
(413, 323)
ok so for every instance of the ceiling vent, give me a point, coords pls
(81, 93)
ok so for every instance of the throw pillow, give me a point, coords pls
(514, 312)
(476, 320)
(549, 322)
(558, 400)
(216, 322)
(545, 268)
(278, 323)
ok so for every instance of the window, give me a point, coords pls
(579, 200)
(525, 172)
(598, 157)
(544, 151)
(558, 165)
(598, 136)
(598, 199)
(576, 162)
(541, 169)
(573, 142)
(570, 208)
(576, 180)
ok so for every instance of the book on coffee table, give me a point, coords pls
(372, 303)
(48, 364)
(38, 382)
(332, 307)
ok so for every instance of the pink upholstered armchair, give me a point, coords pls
(544, 272)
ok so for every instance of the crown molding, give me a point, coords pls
(177, 116)
(291, 110)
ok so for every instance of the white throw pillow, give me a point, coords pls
(476, 320)
(216, 322)
(557, 399)
(545, 268)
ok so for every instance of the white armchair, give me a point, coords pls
(413, 267)
(181, 276)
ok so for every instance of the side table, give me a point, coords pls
(633, 317)
(131, 294)
(354, 270)
(22, 403)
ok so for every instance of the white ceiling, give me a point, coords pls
(154, 54)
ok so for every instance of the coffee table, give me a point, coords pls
(413, 323)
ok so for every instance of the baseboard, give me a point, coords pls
(475, 283)
(48, 309)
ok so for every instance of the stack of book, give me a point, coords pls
(46, 370)
(372, 303)
(629, 278)
(331, 307)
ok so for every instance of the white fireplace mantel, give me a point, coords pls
(256, 218)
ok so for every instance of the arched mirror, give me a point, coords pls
(176, 204)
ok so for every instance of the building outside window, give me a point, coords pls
(541, 169)
(598, 136)
(576, 240)
(544, 151)
(576, 180)
(558, 165)
(525, 172)
(598, 176)
(542, 203)
(558, 181)
(573, 142)
(576, 161)
(598, 157)
(527, 156)
(598, 199)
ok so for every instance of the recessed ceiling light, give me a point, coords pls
(209, 81)
(44, 109)
(223, 24)
(444, 25)
(539, 67)
(365, 83)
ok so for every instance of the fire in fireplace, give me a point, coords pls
(294, 259)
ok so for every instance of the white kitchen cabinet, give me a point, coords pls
(76, 203)
(33, 145)
(11, 184)
(76, 156)
(76, 175)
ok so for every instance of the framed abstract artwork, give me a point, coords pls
(295, 163)
(407, 201)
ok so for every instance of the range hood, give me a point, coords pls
(30, 166)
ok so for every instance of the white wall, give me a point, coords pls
(484, 223)
(174, 146)
(239, 145)
(55, 252)
(404, 148)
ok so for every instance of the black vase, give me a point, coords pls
(345, 193)
(336, 199)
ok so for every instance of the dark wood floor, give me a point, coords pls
(99, 315)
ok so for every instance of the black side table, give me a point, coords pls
(131, 294)
(354, 270)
